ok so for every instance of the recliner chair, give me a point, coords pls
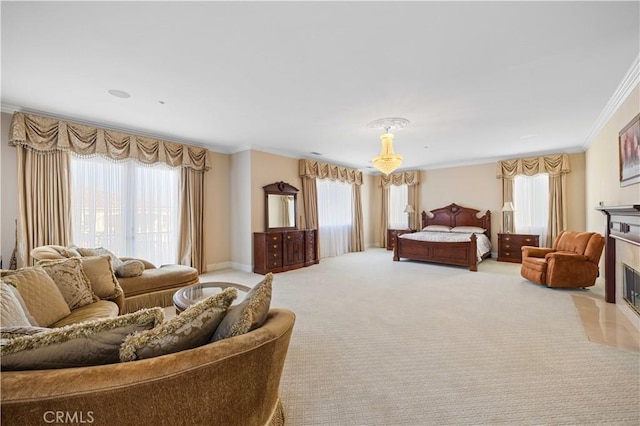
(571, 262)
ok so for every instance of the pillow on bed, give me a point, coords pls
(468, 229)
(437, 228)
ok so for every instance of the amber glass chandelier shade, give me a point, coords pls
(387, 161)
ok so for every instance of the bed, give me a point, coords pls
(461, 251)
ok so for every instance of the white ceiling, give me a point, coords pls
(476, 79)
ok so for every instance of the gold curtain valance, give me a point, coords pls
(405, 178)
(50, 134)
(317, 170)
(554, 165)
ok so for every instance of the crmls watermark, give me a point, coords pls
(68, 417)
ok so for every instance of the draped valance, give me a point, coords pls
(50, 134)
(317, 170)
(554, 165)
(405, 178)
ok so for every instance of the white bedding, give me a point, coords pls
(483, 244)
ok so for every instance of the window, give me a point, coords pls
(398, 200)
(531, 202)
(125, 207)
(335, 218)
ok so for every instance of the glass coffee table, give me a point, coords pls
(187, 296)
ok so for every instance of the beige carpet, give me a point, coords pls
(378, 342)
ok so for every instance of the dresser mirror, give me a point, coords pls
(280, 206)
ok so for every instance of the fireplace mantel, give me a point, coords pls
(623, 224)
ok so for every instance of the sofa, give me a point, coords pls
(212, 364)
(234, 381)
(46, 306)
(572, 262)
(154, 287)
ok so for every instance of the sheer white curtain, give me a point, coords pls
(125, 207)
(334, 217)
(398, 200)
(531, 202)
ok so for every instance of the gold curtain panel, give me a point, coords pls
(397, 179)
(554, 165)
(50, 134)
(317, 170)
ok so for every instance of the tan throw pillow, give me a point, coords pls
(94, 342)
(130, 268)
(192, 328)
(100, 274)
(71, 280)
(42, 297)
(249, 314)
(11, 311)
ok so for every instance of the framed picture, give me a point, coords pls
(629, 147)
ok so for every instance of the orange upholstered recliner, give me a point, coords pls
(572, 262)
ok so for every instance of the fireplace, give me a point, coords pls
(622, 259)
(631, 287)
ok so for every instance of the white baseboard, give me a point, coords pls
(241, 267)
(229, 265)
(218, 266)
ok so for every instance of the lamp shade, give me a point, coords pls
(409, 209)
(387, 161)
(508, 207)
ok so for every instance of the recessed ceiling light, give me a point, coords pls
(118, 93)
(161, 102)
(315, 153)
(528, 137)
(426, 146)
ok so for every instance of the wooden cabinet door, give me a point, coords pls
(293, 248)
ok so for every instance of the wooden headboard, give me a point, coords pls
(455, 215)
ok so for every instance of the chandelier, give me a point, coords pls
(388, 160)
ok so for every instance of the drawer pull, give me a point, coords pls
(288, 237)
(507, 246)
(275, 246)
(275, 263)
(275, 255)
(275, 238)
(507, 254)
(507, 238)
(528, 239)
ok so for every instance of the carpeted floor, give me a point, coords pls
(378, 342)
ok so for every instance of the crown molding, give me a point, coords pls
(629, 82)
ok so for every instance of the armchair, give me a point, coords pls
(571, 262)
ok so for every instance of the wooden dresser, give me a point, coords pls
(510, 246)
(279, 251)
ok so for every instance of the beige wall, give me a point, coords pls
(371, 202)
(469, 186)
(602, 165)
(576, 193)
(241, 211)
(270, 168)
(217, 212)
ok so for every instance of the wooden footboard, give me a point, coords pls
(460, 253)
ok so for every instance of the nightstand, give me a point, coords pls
(392, 235)
(510, 246)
